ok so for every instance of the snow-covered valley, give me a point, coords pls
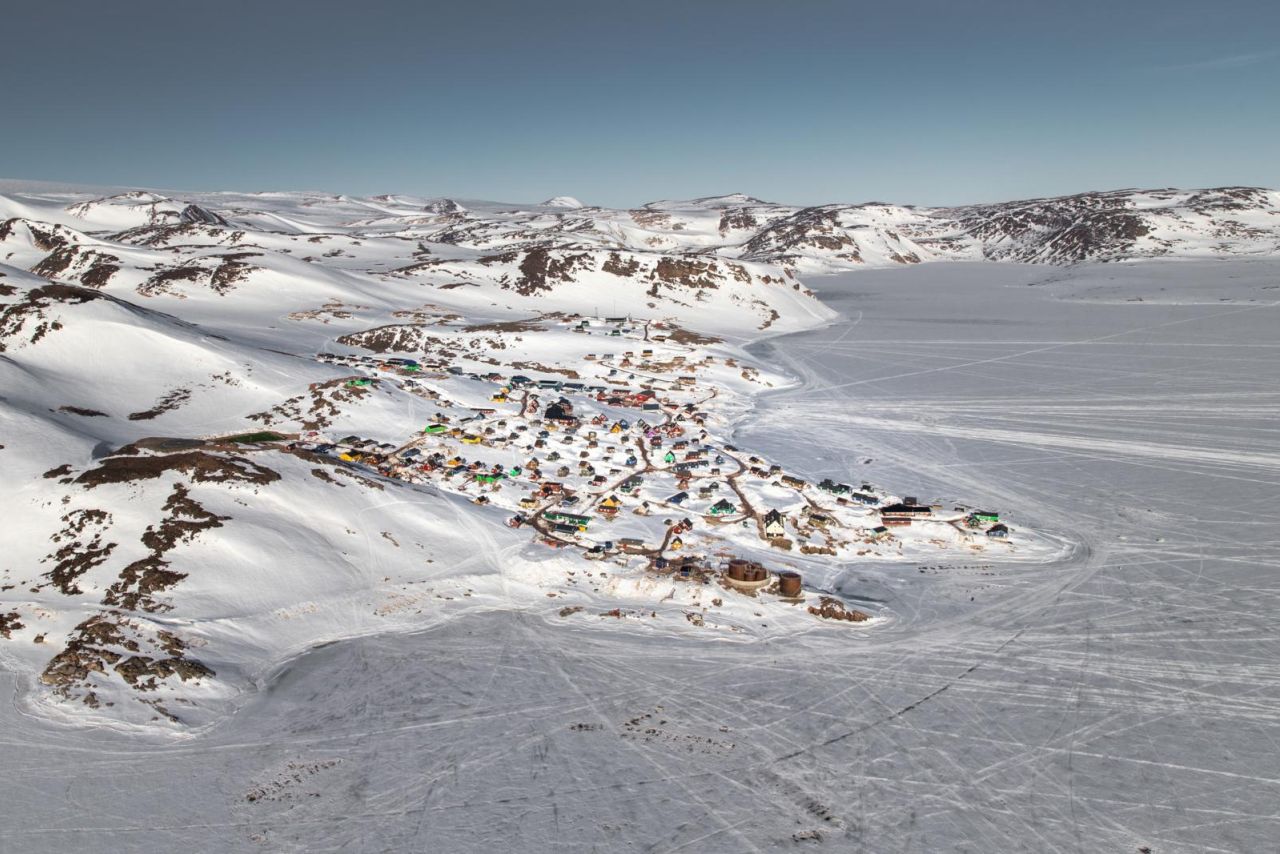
(240, 615)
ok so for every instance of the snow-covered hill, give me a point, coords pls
(206, 439)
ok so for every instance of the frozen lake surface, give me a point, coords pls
(1127, 696)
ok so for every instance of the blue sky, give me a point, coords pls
(919, 101)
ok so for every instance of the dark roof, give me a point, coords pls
(906, 509)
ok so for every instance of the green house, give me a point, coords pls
(432, 429)
(722, 508)
(980, 518)
(579, 522)
(361, 383)
(668, 457)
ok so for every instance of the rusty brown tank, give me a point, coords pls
(789, 583)
(746, 570)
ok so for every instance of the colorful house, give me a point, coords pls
(560, 517)
(722, 508)
(979, 518)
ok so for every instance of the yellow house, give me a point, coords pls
(611, 501)
(470, 439)
(349, 456)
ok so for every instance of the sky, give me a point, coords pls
(929, 102)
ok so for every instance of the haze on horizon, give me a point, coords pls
(928, 102)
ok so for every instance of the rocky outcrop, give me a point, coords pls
(201, 216)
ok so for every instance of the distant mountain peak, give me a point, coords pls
(563, 202)
(728, 200)
(444, 206)
(713, 203)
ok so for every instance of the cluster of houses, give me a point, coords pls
(620, 470)
(614, 327)
(600, 493)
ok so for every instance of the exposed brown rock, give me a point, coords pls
(833, 609)
(10, 622)
(143, 578)
(200, 465)
(688, 272)
(540, 268)
(619, 266)
(77, 553)
(172, 400)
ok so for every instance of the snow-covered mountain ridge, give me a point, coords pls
(1113, 225)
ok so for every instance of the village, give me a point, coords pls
(625, 465)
